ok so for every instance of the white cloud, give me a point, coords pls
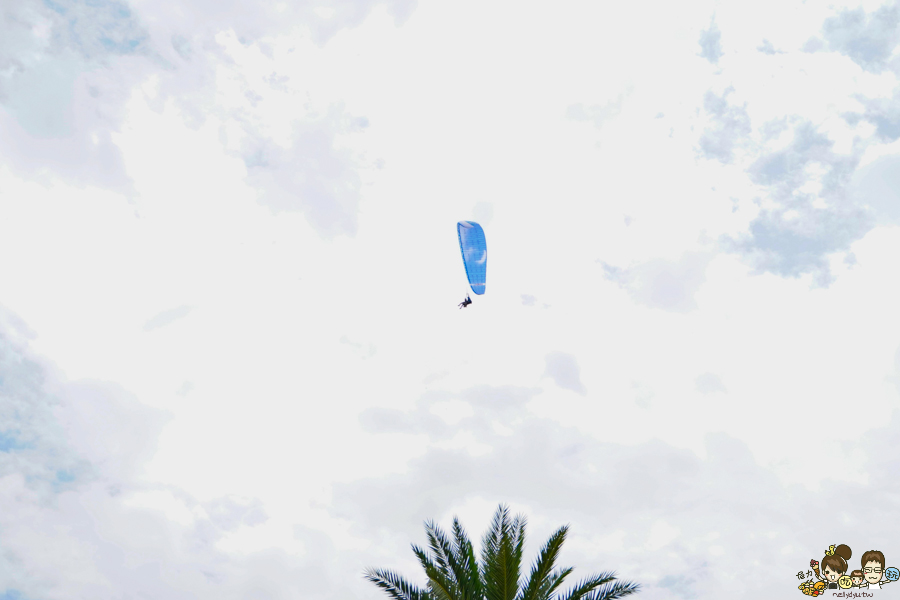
(235, 240)
(711, 43)
(563, 369)
(167, 316)
(452, 411)
(661, 534)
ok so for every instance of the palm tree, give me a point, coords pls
(455, 574)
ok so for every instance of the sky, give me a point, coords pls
(232, 365)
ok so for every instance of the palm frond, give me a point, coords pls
(543, 566)
(585, 587)
(423, 557)
(468, 575)
(601, 587)
(395, 586)
(439, 590)
(555, 580)
(490, 543)
(516, 547)
(493, 536)
(440, 546)
(454, 572)
(491, 568)
(503, 556)
(456, 560)
(440, 586)
(614, 590)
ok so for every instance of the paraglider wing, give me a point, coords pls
(474, 253)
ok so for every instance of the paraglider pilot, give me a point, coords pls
(465, 302)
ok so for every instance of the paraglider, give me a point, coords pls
(474, 254)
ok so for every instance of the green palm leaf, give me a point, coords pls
(492, 538)
(503, 560)
(543, 567)
(613, 590)
(601, 587)
(440, 547)
(454, 572)
(554, 581)
(395, 586)
(468, 576)
(439, 584)
(455, 561)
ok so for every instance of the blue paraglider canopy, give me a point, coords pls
(474, 253)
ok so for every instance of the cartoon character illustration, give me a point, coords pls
(813, 589)
(834, 565)
(857, 577)
(873, 570)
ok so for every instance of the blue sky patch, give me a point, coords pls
(64, 476)
(9, 442)
(55, 7)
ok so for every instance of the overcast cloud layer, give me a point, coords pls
(232, 364)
